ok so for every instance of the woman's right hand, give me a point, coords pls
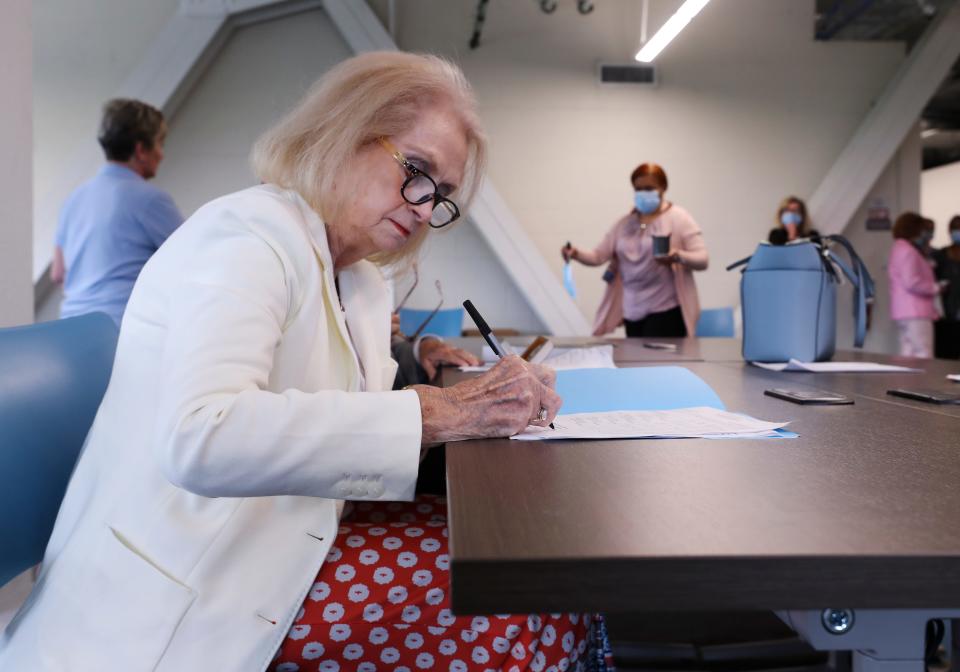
(568, 252)
(498, 403)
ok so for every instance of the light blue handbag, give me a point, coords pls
(788, 295)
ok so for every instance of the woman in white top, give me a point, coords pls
(251, 395)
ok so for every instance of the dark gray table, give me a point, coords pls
(874, 385)
(860, 511)
(629, 349)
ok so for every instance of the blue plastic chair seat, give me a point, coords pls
(447, 323)
(716, 323)
(52, 378)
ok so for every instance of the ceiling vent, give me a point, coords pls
(628, 74)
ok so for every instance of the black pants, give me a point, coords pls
(668, 324)
(946, 338)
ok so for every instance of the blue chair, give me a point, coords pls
(447, 323)
(716, 323)
(52, 378)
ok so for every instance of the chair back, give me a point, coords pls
(716, 323)
(447, 323)
(52, 378)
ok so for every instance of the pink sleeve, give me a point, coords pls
(906, 269)
(603, 252)
(692, 249)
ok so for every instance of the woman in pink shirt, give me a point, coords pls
(653, 291)
(913, 286)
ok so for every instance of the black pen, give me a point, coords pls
(487, 333)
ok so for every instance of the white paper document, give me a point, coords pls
(834, 367)
(594, 357)
(699, 422)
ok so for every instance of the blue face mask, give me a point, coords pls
(646, 201)
(924, 239)
(955, 237)
(788, 217)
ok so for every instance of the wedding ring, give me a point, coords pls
(542, 415)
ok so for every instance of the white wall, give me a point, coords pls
(260, 73)
(16, 134)
(749, 109)
(468, 269)
(940, 198)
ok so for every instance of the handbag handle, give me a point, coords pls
(739, 263)
(862, 281)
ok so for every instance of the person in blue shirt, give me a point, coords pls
(112, 224)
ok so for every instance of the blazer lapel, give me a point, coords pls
(363, 296)
(365, 300)
(317, 233)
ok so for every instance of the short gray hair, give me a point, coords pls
(126, 122)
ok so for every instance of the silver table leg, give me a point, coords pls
(881, 640)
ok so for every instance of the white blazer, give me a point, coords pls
(244, 405)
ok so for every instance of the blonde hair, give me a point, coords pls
(373, 95)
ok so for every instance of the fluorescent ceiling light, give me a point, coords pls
(669, 30)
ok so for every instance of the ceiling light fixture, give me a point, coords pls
(669, 30)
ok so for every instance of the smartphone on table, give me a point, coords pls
(809, 396)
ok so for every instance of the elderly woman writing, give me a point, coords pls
(205, 524)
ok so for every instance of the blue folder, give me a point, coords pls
(655, 388)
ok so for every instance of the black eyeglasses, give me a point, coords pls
(419, 188)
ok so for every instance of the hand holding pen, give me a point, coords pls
(547, 406)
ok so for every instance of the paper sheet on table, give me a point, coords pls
(699, 422)
(955, 377)
(593, 357)
(642, 388)
(834, 367)
(487, 355)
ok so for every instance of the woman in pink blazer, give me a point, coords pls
(913, 286)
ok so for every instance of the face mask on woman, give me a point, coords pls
(924, 239)
(955, 237)
(788, 217)
(647, 201)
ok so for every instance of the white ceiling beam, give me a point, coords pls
(883, 130)
(359, 26)
(489, 213)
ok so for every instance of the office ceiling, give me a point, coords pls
(902, 20)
